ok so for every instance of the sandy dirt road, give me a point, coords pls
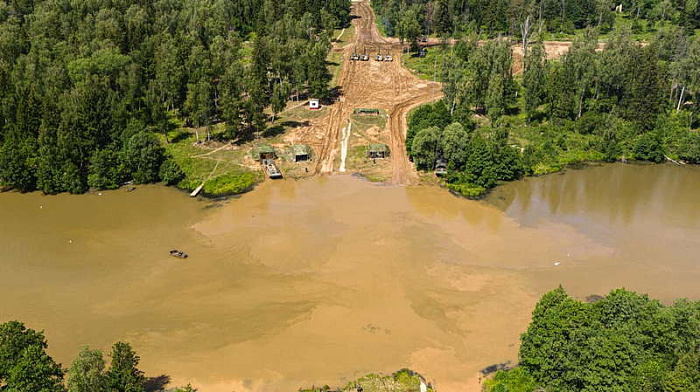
(381, 85)
(373, 84)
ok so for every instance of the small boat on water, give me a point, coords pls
(178, 254)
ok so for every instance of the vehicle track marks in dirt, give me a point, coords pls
(374, 84)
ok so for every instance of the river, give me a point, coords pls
(323, 280)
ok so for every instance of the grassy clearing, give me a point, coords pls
(367, 129)
(228, 175)
(363, 122)
(303, 113)
(424, 67)
(347, 37)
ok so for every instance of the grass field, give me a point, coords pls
(220, 165)
(367, 130)
(424, 67)
(347, 37)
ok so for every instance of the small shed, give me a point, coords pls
(301, 152)
(314, 104)
(264, 152)
(378, 151)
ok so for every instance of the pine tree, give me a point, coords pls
(534, 79)
(123, 374)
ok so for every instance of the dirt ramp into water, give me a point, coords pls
(384, 85)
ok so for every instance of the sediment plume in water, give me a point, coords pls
(322, 281)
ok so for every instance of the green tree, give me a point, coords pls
(500, 93)
(318, 75)
(515, 380)
(123, 374)
(454, 144)
(87, 373)
(580, 70)
(649, 147)
(144, 156)
(170, 172)
(649, 376)
(409, 28)
(479, 166)
(14, 338)
(106, 170)
(198, 105)
(689, 149)
(35, 371)
(643, 102)
(280, 94)
(686, 374)
(441, 17)
(534, 79)
(431, 115)
(17, 161)
(426, 148)
(24, 364)
(506, 163)
(231, 102)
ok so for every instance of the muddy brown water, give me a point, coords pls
(323, 280)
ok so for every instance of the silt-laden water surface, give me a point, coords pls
(324, 280)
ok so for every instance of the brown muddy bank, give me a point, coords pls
(324, 280)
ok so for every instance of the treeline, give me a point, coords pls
(622, 342)
(626, 101)
(409, 19)
(85, 86)
(26, 367)
(477, 160)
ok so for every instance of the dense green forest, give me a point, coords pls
(409, 19)
(626, 101)
(622, 342)
(26, 367)
(86, 86)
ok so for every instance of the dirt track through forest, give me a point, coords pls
(381, 85)
(377, 85)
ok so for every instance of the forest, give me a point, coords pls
(409, 19)
(87, 88)
(617, 100)
(621, 342)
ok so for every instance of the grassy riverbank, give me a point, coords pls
(402, 381)
(219, 166)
